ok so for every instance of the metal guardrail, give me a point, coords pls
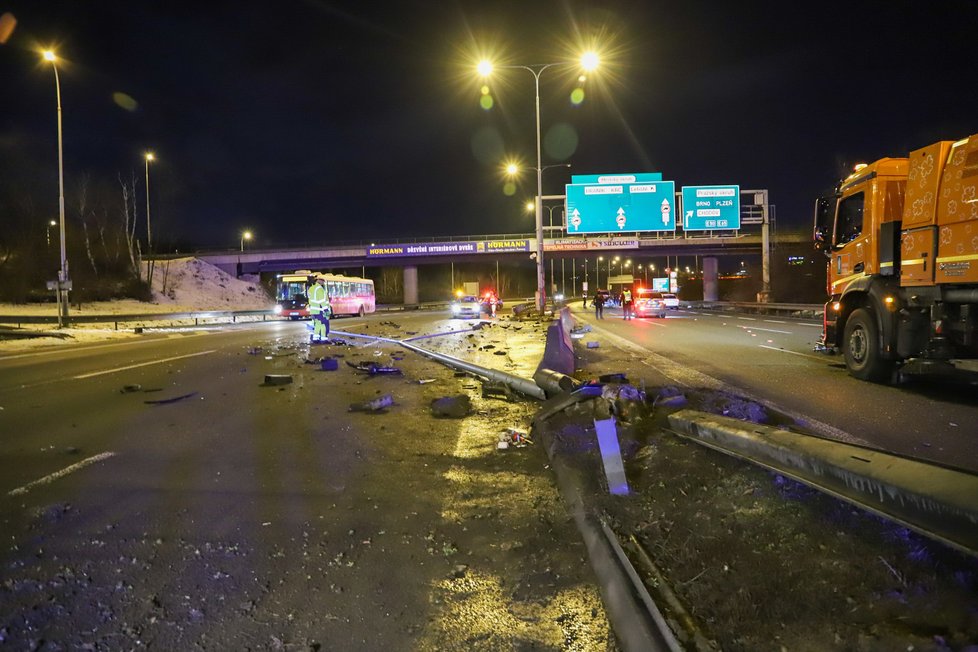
(807, 310)
(813, 310)
(229, 315)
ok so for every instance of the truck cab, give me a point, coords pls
(890, 232)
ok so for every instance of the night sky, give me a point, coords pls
(310, 122)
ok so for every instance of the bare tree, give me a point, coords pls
(82, 209)
(129, 224)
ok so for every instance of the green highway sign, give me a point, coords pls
(711, 208)
(619, 206)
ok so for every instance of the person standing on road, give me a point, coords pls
(626, 303)
(598, 306)
(319, 310)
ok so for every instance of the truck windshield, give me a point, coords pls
(850, 221)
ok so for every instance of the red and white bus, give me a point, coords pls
(348, 295)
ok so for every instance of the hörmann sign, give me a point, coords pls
(447, 248)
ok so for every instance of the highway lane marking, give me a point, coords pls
(142, 364)
(766, 330)
(88, 348)
(747, 318)
(804, 355)
(48, 479)
(775, 321)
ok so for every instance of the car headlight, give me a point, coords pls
(278, 309)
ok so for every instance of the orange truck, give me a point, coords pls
(901, 236)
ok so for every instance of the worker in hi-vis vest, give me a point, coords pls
(319, 310)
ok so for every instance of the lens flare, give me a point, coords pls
(577, 96)
(125, 101)
(486, 102)
(7, 25)
(509, 188)
(561, 141)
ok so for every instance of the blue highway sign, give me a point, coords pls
(620, 207)
(711, 208)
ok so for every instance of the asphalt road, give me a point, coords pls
(772, 360)
(156, 492)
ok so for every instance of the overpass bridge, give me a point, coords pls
(412, 253)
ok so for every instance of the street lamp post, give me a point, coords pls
(149, 157)
(245, 235)
(589, 62)
(63, 273)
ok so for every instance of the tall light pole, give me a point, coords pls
(149, 231)
(589, 61)
(63, 272)
(245, 235)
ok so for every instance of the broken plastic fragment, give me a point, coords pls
(380, 403)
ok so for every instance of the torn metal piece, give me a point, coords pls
(497, 390)
(277, 379)
(165, 401)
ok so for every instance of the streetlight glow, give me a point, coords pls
(245, 235)
(589, 61)
(49, 56)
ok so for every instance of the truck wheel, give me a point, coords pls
(861, 345)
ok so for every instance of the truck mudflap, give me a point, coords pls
(827, 343)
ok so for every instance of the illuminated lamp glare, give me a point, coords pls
(858, 167)
(837, 306)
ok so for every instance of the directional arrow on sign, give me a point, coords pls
(689, 214)
(621, 218)
(575, 219)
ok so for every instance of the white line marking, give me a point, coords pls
(746, 318)
(60, 474)
(143, 364)
(766, 330)
(775, 321)
(804, 355)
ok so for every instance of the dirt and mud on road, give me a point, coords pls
(343, 513)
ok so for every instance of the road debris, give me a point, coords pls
(376, 405)
(374, 368)
(497, 390)
(452, 407)
(513, 437)
(277, 379)
(592, 345)
(126, 389)
(165, 401)
(329, 364)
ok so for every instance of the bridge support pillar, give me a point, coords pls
(410, 285)
(709, 278)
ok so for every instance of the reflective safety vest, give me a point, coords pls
(318, 301)
(627, 294)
